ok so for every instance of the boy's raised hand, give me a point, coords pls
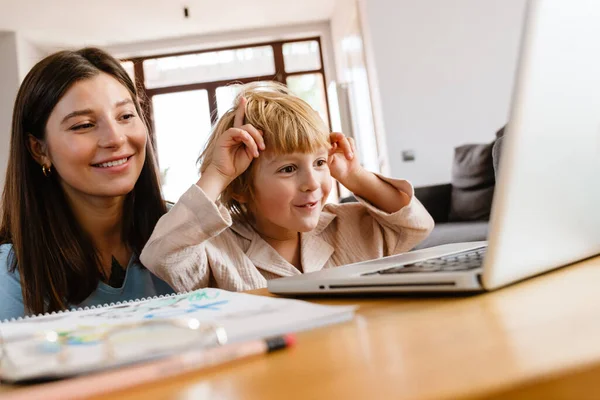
(343, 162)
(234, 151)
(345, 168)
(237, 146)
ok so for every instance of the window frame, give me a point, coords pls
(211, 87)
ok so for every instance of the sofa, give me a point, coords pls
(437, 200)
(461, 208)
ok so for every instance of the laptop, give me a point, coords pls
(546, 207)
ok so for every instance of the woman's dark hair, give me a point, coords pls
(56, 260)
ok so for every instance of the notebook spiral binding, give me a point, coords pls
(105, 305)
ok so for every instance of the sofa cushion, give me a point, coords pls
(472, 183)
(436, 200)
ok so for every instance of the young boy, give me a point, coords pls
(258, 210)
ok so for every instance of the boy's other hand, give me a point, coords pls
(343, 162)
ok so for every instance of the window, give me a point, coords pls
(208, 67)
(310, 88)
(302, 56)
(225, 97)
(128, 66)
(182, 125)
(188, 92)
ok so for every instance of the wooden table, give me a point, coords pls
(537, 339)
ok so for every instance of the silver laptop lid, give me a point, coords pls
(546, 210)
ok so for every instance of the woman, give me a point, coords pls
(81, 194)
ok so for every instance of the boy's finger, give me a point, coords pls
(240, 112)
(250, 144)
(346, 148)
(256, 134)
(333, 149)
(352, 144)
(243, 136)
(335, 137)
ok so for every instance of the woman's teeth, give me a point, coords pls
(112, 163)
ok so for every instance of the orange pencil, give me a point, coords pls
(121, 378)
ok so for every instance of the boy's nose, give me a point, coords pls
(310, 182)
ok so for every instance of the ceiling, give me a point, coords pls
(113, 22)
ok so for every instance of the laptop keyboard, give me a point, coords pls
(464, 261)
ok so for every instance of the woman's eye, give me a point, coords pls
(287, 170)
(82, 127)
(128, 116)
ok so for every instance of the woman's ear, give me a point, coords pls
(38, 150)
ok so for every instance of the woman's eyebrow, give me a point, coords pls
(88, 111)
(77, 113)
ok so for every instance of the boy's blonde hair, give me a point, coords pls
(288, 124)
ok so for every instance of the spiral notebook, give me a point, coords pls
(64, 344)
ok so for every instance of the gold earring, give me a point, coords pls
(47, 171)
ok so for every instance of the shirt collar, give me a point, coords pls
(315, 252)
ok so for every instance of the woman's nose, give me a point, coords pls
(112, 136)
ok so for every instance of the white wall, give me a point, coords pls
(28, 55)
(445, 71)
(9, 84)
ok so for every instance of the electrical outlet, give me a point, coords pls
(408, 155)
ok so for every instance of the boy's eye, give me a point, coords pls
(288, 170)
(321, 163)
(128, 116)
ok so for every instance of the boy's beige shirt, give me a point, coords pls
(196, 244)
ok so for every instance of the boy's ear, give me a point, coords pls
(38, 150)
(240, 198)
